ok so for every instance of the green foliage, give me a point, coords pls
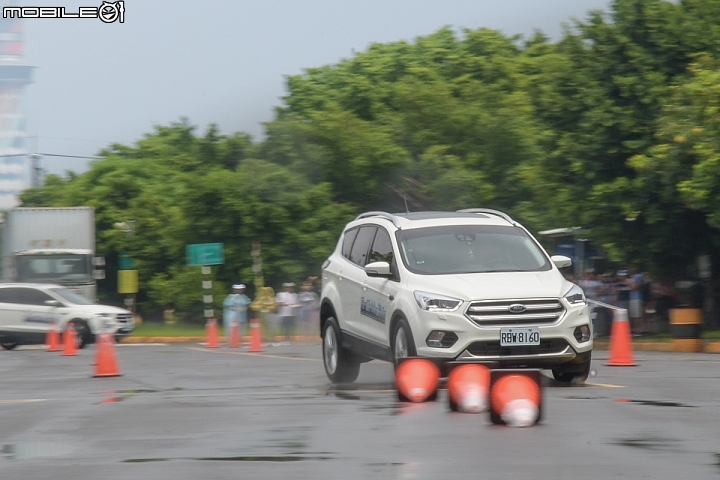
(614, 127)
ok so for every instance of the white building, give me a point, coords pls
(15, 75)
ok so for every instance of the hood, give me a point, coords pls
(100, 309)
(494, 286)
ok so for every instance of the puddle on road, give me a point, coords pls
(654, 403)
(649, 443)
(574, 397)
(36, 450)
(369, 387)
(247, 458)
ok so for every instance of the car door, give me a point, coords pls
(38, 316)
(378, 293)
(353, 279)
(12, 312)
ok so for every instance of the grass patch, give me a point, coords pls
(711, 335)
(163, 330)
(660, 337)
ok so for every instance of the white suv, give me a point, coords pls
(27, 311)
(471, 285)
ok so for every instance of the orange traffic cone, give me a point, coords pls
(52, 339)
(255, 336)
(417, 380)
(70, 340)
(515, 397)
(106, 363)
(211, 331)
(233, 340)
(621, 354)
(468, 388)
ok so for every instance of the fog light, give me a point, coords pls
(582, 333)
(439, 339)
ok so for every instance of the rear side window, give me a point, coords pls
(359, 252)
(10, 295)
(348, 242)
(24, 296)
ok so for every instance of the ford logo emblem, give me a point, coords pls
(517, 308)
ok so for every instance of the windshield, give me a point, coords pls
(65, 268)
(470, 249)
(71, 297)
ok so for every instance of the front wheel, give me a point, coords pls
(579, 374)
(9, 345)
(403, 344)
(341, 366)
(82, 332)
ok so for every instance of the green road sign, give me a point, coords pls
(201, 254)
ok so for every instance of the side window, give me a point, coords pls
(10, 295)
(381, 250)
(358, 254)
(348, 242)
(34, 297)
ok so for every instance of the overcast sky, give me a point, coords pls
(220, 61)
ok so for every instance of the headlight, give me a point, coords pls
(436, 303)
(575, 296)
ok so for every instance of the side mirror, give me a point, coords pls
(561, 261)
(52, 303)
(378, 269)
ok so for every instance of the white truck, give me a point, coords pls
(51, 245)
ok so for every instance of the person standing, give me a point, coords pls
(287, 302)
(235, 308)
(308, 309)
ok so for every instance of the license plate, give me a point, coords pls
(510, 337)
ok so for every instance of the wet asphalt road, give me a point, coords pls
(185, 412)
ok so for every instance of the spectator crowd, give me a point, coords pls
(648, 302)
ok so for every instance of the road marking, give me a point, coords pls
(141, 344)
(606, 385)
(248, 354)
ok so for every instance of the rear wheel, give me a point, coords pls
(7, 345)
(341, 366)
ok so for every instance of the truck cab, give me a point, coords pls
(72, 268)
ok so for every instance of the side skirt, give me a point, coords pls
(365, 348)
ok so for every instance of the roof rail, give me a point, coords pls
(489, 211)
(389, 216)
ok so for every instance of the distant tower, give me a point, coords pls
(15, 75)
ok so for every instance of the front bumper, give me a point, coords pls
(481, 343)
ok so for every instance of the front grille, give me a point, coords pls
(124, 318)
(482, 349)
(538, 311)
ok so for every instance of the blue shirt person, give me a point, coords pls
(235, 308)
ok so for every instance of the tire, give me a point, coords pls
(341, 366)
(82, 332)
(579, 374)
(403, 344)
(8, 345)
